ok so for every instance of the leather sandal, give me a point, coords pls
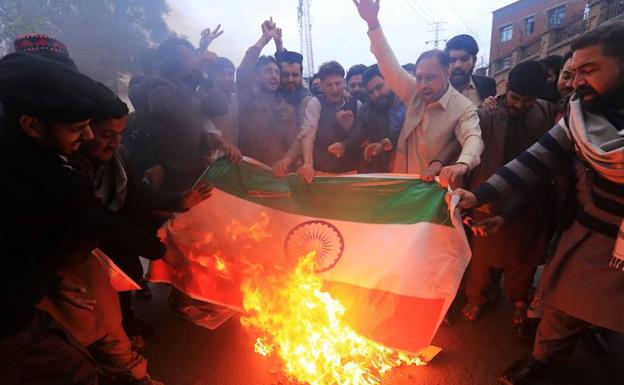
(523, 372)
(519, 315)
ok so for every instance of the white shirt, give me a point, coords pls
(427, 128)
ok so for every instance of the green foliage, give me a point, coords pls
(105, 37)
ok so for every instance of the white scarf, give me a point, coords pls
(602, 146)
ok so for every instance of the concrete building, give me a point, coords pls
(533, 29)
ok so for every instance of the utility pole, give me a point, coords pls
(436, 33)
(305, 36)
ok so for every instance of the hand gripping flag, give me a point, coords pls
(386, 245)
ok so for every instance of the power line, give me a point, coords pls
(405, 5)
(436, 33)
(419, 10)
(457, 14)
(428, 11)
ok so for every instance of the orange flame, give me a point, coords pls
(304, 325)
(256, 232)
(237, 238)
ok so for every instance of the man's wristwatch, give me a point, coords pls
(374, 27)
(386, 144)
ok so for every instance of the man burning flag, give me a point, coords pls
(385, 246)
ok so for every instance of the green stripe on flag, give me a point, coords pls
(355, 199)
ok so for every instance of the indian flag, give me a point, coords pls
(387, 246)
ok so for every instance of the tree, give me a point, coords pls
(104, 37)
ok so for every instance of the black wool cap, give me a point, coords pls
(528, 78)
(289, 57)
(109, 105)
(47, 89)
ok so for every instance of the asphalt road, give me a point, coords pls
(180, 353)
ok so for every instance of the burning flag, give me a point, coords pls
(304, 324)
(384, 248)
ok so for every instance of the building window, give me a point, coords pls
(506, 33)
(529, 25)
(614, 8)
(556, 16)
(505, 63)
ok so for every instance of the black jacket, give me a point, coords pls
(166, 128)
(485, 86)
(372, 124)
(329, 132)
(51, 219)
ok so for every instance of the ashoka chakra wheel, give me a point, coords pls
(319, 236)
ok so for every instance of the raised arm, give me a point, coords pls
(244, 74)
(399, 80)
(208, 36)
(279, 42)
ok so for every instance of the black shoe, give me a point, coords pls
(523, 372)
(596, 342)
(528, 329)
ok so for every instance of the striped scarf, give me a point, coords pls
(602, 146)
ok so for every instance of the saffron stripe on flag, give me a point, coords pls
(400, 322)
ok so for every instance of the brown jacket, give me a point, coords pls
(268, 124)
(525, 235)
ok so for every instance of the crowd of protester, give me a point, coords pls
(538, 170)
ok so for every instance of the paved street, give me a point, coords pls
(473, 354)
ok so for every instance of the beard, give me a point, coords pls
(385, 102)
(290, 86)
(460, 78)
(516, 113)
(610, 100)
